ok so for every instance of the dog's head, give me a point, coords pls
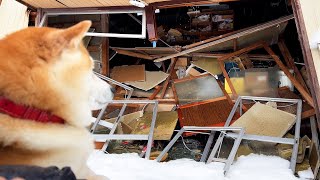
(50, 69)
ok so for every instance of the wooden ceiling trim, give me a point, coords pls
(112, 3)
(44, 3)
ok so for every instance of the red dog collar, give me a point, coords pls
(28, 113)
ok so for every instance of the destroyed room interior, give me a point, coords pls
(207, 80)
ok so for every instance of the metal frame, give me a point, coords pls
(105, 124)
(66, 12)
(111, 136)
(293, 141)
(196, 129)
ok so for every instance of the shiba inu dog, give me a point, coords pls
(47, 92)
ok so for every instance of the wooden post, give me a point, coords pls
(300, 88)
(133, 54)
(105, 45)
(226, 76)
(151, 24)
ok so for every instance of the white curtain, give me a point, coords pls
(13, 17)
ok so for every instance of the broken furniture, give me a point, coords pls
(238, 106)
(194, 129)
(112, 136)
(128, 95)
(113, 126)
(201, 101)
(140, 122)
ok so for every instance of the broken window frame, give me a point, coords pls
(293, 141)
(48, 13)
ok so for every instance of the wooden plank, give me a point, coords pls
(133, 54)
(155, 93)
(105, 45)
(241, 51)
(290, 63)
(166, 83)
(308, 27)
(226, 76)
(299, 87)
(228, 38)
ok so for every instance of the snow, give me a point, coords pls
(131, 166)
(307, 174)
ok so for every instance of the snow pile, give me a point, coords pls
(131, 166)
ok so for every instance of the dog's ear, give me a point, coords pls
(74, 35)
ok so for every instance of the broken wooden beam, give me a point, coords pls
(229, 38)
(241, 51)
(151, 24)
(166, 83)
(226, 76)
(296, 83)
(132, 54)
(105, 45)
(290, 63)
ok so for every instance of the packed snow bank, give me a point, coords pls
(131, 166)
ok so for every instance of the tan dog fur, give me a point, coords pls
(48, 69)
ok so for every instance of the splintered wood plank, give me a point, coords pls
(153, 78)
(132, 54)
(264, 120)
(128, 73)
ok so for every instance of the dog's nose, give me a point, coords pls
(113, 90)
